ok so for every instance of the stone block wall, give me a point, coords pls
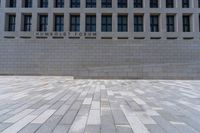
(147, 59)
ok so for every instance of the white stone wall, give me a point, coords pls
(194, 11)
(102, 59)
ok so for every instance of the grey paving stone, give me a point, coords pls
(92, 129)
(69, 117)
(30, 128)
(119, 117)
(4, 126)
(124, 129)
(155, 128)
(98, 106)
(61, 129)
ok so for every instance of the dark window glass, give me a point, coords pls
(138, 3)
(169, 3)
(74, 23)
(106, 23)
(91, 3)
(199, 23)
(186, 23)
(122, 3)
(12, 3)
(185, 3)
(199, 3)
(170, 23)
(90, 23)
(27, 22)
(106, 3)
(43, 23)
(154, 23)
(122, 23)
(59, 3)
(28, 3)
(75, 3)
(138, 23)
(43, 3)
(154, 3)
(11, 23)
(59, 23)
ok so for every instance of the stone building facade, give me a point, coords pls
(101, 38)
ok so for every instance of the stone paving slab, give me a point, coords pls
(64, 105)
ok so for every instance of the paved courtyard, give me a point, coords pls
(61, 105)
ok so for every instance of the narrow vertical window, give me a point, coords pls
(122, 3)
(185, 3)
(43, 3)
(75, 23)
(106, 23)
(75, 3)
(43, 23)
(27, 3)
(170, 23)
(154, 3)
(27, 22)
(138, 23)
(59, 23)
(90, 23)
(106, 3)
(169, 3)
(186, 23)
(12, 3)
(122, 23)
(59, 3)
(138, 3)
(154, 23)
(11, 22)
(90, 3)
(199, 3)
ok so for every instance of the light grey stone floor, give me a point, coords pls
(61, 105)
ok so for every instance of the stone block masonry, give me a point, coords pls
(147, 59)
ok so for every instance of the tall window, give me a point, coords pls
(43, 23)
(27, 22)
(91, 3)
(185, 3)
(11, 23)
(122, 23)
(154, 23)
(106, 3)
(199, 3)
(138, 3)
(90, 23)
(169, 3)
(12, 3)
(27, 3)
(138, 23)
(106, 23)
(75, 23)
(43, 3)
(186, 23)
(170, 23)
(122, 3)
(75, 3)
(59, 3)
(154, 3)
(59, 23)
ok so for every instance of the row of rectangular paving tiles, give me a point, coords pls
(59, 105)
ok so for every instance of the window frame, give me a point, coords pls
(107, 24)
(122, 23)
(138, 27)
(91, 26)
(76, 24)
